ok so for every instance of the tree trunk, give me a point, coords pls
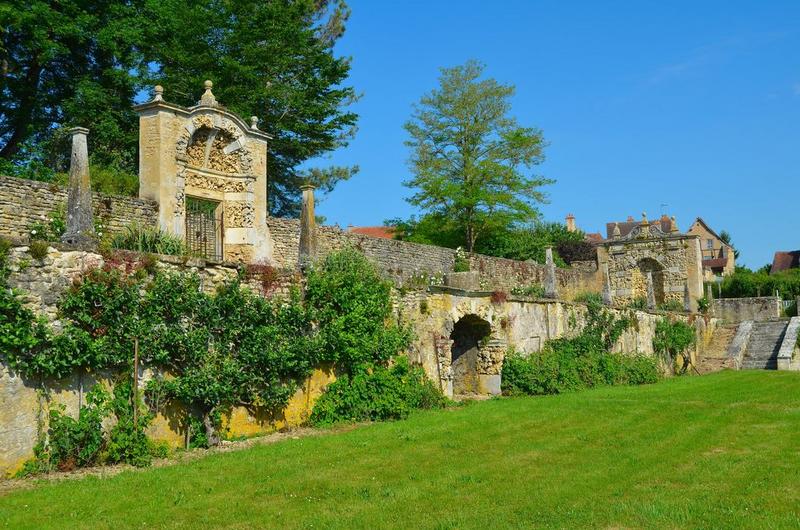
(211, 432)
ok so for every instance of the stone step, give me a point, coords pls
(764, 344)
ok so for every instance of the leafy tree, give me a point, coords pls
(351, 304)
(521, 242)
(468, 155)
(76, 62)
(725, 236)
(64, 64)
(273, 59)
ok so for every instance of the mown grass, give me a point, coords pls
(719, 451)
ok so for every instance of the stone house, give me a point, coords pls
(718, 256)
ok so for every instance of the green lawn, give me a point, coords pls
(719, 451)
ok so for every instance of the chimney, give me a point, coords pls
(308, 228)
(630, 219)
(571, 223)
(80, 225)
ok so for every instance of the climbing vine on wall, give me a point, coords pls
(210, 352)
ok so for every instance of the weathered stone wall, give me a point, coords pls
(23, 403)
(404, 261)
(23, 202)
(523, 324)
(519, 323)
(733, 310)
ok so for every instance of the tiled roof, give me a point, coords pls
(785, 261)
(626, 227)
(384, 232)
(715, 263)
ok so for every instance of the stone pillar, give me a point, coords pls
(608, 298)
(571, 223)
(550, 288)
(80, 226)
(687, 300)
(651, 293)
(308, 227)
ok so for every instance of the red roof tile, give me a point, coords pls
(785, 261)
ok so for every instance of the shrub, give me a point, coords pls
(571, 251)
(556, 370)
(71, 443)
(38, 249)
(744, 283)
(672, 339)
(351, 304)
(703, 305)
(499, 297)
(127, 441)
(381, 394)
(671, 305)
(583, 361)
(461, 263)
(589, 298)
(51, 228)
(637, 304)
(147, 239)
(266, 275)
(533, 291)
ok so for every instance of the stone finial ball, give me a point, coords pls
(208, 84)
(158, 89)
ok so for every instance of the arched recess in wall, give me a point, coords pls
(467, 336)
(652, 266)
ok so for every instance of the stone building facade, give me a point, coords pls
(207, 171)
(670, 258)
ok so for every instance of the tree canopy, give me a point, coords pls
(83, 63)
(470, 159)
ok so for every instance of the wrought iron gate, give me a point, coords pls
(204, 228)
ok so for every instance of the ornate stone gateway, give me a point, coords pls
(670, 258)
(190, 158)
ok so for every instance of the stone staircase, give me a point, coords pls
(764, 344)
(714, 357)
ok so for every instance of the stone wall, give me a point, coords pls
(404, 261)
(519, 323)
(524, 324)
(24, 202)
(733, 310)
(42, 282)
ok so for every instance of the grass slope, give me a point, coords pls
(719, 451)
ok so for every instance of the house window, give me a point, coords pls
(709, 243)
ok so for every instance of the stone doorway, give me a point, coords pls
(657, 270)
(468, 335)
(204, 228)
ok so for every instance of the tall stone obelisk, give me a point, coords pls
(308, 227)
(80, 225)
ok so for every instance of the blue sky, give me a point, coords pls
(692, 105)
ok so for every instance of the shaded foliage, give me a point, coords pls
(83, 63)
(584, 361)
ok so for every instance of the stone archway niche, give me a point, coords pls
(652, 266)
(469, 335)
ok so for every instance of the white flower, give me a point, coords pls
(33, 232)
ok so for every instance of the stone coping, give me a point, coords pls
(520, 298)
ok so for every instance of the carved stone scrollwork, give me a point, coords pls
(216, 145)
(653, 231)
